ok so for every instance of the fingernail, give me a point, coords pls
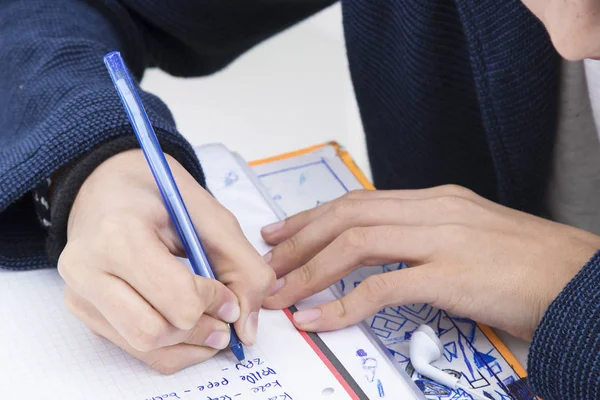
(229, 312)
(251, 327)
(217, 340)
(272, 227)
(277, 286)
(267, 257)
(307, 316)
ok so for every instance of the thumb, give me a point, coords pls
(236, 264)
(234, 260)
(405, 286)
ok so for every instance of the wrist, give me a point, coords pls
(66, 184)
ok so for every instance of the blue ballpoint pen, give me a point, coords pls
(162, 175)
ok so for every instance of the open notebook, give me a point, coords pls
(45, 353)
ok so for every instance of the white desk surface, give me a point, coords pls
(290, 92)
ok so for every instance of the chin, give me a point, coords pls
(571, 49)
(576, 41)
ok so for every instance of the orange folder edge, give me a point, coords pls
(366, 183)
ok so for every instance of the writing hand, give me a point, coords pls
(123, 279)
(469, 256)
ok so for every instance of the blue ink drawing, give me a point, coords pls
(450, 351)
(369, 365)
(380, 388)
(302, 178)
(231, 178)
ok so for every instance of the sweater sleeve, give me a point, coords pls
(564, 357)
(58, 102)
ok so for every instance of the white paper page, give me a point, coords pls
(46, 353)
(228, 181)
(303, 182)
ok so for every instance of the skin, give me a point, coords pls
(468, 255)
(573, 25)
(123, 279)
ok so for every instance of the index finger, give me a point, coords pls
(355, 248)
(407, 286)
(279, 231)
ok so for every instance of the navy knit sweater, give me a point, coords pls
(450, 91)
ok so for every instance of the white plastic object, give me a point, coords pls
(425, 347)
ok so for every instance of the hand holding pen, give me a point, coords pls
(123, 279)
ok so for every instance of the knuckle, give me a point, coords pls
(166, 365)
(461, 208)
(457, 190)
(190, 313)
(148, 334)
(452, 233)
(346, 208)
(356, 194)
(255, 282)
(376, 287)
(191, 305)
(381, 233)
(292, 245)
(114, 226)
(227, 218)
(452, 204)
(73, 303)
(305, 274)
(264, 279)
(96, 333)
(354, 238)
(65, 263)
(208, 290)
(340, 308)
(109, 225)
(115, 235)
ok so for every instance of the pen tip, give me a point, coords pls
(238, 351)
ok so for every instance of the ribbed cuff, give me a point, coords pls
(564, 357)
(69, 180)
